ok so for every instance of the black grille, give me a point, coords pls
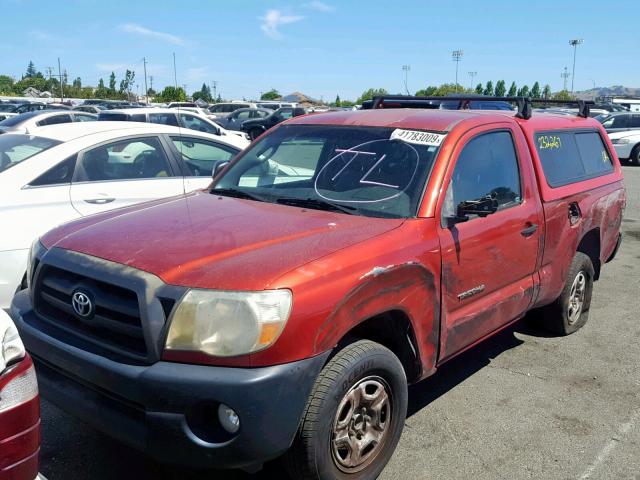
(115, 324)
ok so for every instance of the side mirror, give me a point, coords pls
(482, 207)
(219, 167)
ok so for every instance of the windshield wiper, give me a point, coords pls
(234, 192)
(317, 203)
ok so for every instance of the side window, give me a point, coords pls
(163, 118)
(569, 157)
(136, 158)
(595, 157)
(60, 174)
(486, 167)
(194, 123)
(635, 121)
(285, 114)
(55, 119)
(620, 121)
(244, 115)
(201, 157)
(83, 118)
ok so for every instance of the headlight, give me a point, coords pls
(34, 251)
(225, 324)
(620, 141)
(11, 347)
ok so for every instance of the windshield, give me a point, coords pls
(359, 170)
(17, 148)
(7, 107)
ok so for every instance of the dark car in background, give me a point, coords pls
(223, 109)
(234, 120)
(620, 121)
(256, 127)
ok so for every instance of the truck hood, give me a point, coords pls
(207, 241)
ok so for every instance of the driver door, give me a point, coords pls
(487, 261)
(122, 173)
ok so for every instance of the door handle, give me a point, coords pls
(99, 201)
(574, 213)
(530, 230)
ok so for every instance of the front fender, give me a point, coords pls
(410, 288)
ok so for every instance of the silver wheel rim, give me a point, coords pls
(361, 424)
(576, 297)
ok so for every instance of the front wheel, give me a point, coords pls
(634, 158)
(354, 416)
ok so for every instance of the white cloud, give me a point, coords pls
(319, 6)
(274, 19)
(140, 30)
(40, 35)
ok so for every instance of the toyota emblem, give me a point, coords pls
(82, 304)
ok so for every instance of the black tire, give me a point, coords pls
(255, 133)
(558, 317)
(361, 365)
(634, 158)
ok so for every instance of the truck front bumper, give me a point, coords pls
(169, 410)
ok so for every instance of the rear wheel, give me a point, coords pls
(354, 416)
(634, 158)
(570, 311)
(254, 133)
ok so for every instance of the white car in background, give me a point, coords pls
(68, 171)
(627, 145)
(29, 122)
(177, 117)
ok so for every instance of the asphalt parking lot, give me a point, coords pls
(523, 405)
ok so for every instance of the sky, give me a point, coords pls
(323, 48)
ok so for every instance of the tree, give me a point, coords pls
(501, 88)
(523, 92)
(562, 95)
(535, 90)
(204, 93)
(272, 94)
(370, 93)
(151, 92)
(513, 90)
(546, 91)
(489, 89)
(337, 100)
(77, 83)
(479, 89)
(427, 92)
(112, 84)
(172, 94)
(6, 84)
(31, 70)
(127, 83)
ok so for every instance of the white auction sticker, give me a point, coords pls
(416, 136)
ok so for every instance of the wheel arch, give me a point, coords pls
(590, 246)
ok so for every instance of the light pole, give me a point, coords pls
(472, 75)
(456, 55)
(406, 69)
(574, 43)
(564, 76)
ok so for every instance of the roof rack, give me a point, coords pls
(524, 104)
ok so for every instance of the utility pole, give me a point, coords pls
(565, 75)
(456, 55)
(472, 75)
(574, 43)
(50, 69)
(146, 90)
(406, 69)
(215, 90)
(60, 76)
(151, 81)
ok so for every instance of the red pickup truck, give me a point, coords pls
(342, 256)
